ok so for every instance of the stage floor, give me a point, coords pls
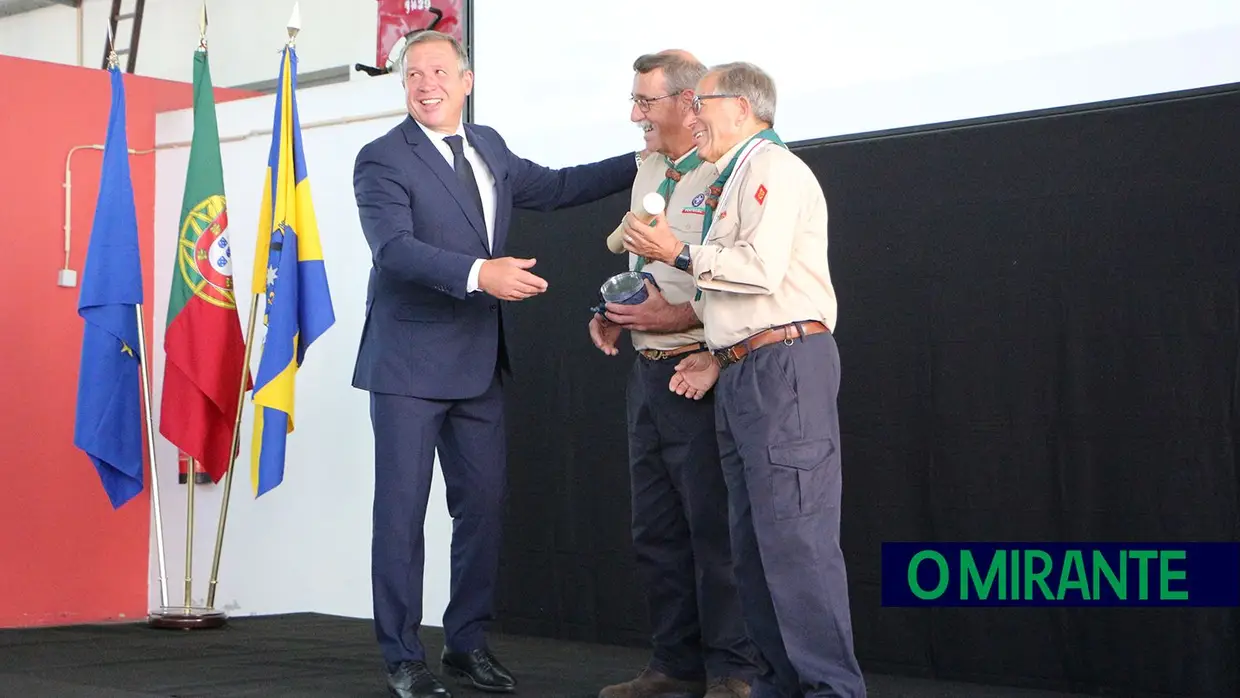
(309, 655)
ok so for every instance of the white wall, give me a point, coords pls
(984, 53)
(241, 34)
(842, 67)
(558, 93)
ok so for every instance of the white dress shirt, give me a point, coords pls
(486, 189)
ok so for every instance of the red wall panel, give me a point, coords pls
(65, 555)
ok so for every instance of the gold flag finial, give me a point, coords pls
(113, 60)
(202, 27)
(294, 23)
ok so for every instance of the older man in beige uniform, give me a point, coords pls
(768, 305)
(679, 498)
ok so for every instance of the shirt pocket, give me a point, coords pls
(724, 228)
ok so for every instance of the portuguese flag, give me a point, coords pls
(204, 346)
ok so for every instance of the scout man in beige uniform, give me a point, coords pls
(768, 306)
(680, 500)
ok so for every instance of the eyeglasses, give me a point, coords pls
(697, 100)
(643, 103)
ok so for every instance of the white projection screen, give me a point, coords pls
(556, 83)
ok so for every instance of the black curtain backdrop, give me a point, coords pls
(1038, 335)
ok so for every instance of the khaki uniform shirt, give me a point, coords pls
(764, 260)
(684, 212)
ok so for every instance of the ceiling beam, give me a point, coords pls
(9, 8)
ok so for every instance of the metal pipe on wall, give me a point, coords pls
(68, 181)
(80, 33)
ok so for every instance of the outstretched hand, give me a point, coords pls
(695, 375)
(506, 278)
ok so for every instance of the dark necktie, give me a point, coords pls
(465, 173)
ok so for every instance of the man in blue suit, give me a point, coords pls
(435, 197)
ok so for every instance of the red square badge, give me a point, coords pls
(760, 195)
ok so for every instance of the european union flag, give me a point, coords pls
(108, 424)
(288, 266)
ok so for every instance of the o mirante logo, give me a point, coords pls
(1061, 574)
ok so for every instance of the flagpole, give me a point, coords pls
(191, 476)
(191, 472)
(150, 442)
(236, 444)
(294, 25)
(143, 358)
(187, 616)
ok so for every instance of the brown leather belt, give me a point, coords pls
(661, 354)
(784, 333)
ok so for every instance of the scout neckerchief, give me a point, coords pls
(673, 175)
(715, 191)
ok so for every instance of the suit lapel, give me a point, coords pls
(430, 155)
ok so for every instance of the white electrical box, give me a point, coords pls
(66, 278)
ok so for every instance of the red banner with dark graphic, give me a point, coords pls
(399, 17)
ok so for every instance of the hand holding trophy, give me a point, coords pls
(629, 287)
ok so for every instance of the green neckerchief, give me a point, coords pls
(673, 175)
(716, 189)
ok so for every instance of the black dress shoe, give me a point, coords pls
(415, 680)
(480, 669)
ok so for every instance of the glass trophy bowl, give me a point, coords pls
(625, 288)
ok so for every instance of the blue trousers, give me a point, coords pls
(680, 530)
(779, 441)
(470, 437)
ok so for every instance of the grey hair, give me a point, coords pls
(430, 35)
(680, 73)
(752, 83)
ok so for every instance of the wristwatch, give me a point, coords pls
(682, 260)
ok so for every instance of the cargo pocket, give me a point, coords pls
(798, 476)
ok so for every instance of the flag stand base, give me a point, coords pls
(187, 618)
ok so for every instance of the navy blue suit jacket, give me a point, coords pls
(424, 336)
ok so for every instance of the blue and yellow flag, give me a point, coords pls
(108, 421)
(288, 266)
